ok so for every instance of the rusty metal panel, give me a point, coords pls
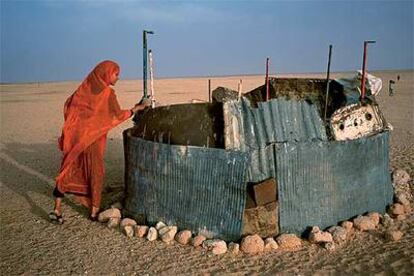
(322, 183)
(200, 189)
(274, 121)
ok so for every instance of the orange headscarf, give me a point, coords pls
(90, 112)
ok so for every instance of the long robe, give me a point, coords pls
(89, 113)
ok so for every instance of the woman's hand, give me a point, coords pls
(142, 105)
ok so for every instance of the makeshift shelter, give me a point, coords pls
(229, 168)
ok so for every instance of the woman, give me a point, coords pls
(89, 114)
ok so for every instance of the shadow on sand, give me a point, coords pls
(32, 168)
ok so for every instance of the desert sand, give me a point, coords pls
(31, 121)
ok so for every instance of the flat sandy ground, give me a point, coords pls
(31, 121)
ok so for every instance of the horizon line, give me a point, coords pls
(212, 76)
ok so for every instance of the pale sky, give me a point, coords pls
(64, 40)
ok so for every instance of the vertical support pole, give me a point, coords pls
(364, 68)
(209, 90)
(144, 57)
(151, 74)
(327, 81)
(267, 80)
(239, 89)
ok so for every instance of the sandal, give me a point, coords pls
(55, 218)
(95, 218)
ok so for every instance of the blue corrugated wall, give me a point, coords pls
(322, 183)
(195, 188)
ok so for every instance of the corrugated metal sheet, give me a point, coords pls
(200, 189)
(322, 183)
(262, 164)
(274, 121)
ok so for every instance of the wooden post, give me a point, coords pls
(209, 90)
(239, 89)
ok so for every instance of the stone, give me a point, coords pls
(401, 217)
(270, 244)
(364, 223)
(386, 220)
(141, 231)
(330, 246)
(261, 220)
(160, 225)
(109, 213)
(152, 234)
(167, 233)
(400, 177)
(339, 234)
(375, 217)
(318, 236)
(397, 209)
(117, 205)
(128, 231)
(407, 209)
(347, 225)
(183, 237)
(128, 222)
(198, 240)
(401, 198)
(216, 246)
(234, 248)
(252, 244)
(113, 222)
(289, 241)
(393, 235)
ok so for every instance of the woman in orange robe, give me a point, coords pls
(89, 113)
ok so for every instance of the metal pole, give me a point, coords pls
(209, 90)
(267, 80)
(364, 65)
(327, 80)
(144, 56)
(151, 73)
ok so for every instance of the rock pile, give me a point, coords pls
(402, 195)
